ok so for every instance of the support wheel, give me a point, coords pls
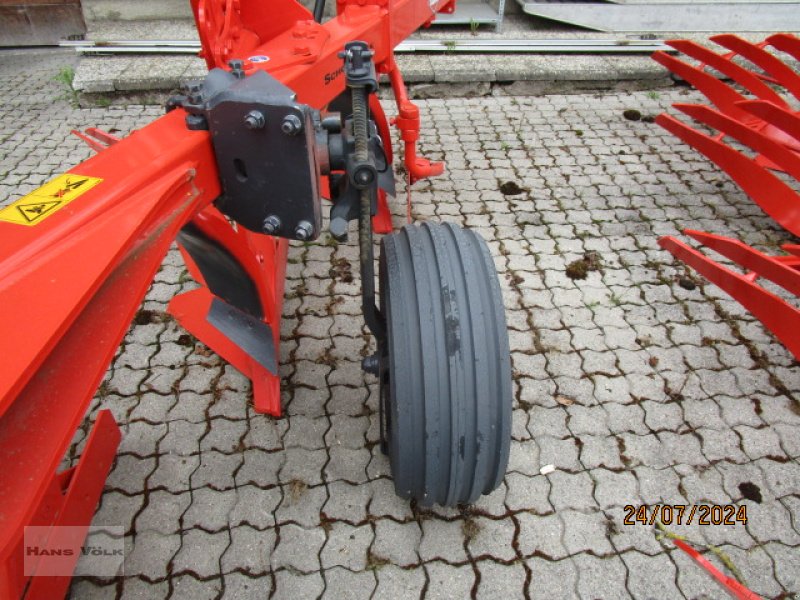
(445, 365)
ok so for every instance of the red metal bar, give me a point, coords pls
(724, 65)
(779, 71)
(781, 270)
(776, 198)
(778, 153)
(731, 586)
(72, 284)
(778, 117)
(776, 314)
(786, 42)
(721, 95)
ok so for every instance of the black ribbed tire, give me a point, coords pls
(445, 365)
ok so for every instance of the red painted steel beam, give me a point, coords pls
(724, 65)
(777, 315)
(778, 153)
(75, 267)
(777, 199)
(69, 287)
(776, 69)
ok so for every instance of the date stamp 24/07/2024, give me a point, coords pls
(685, 514)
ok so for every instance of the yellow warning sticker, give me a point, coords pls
(48, 199)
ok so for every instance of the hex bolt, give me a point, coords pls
(194, 92)
(255, 120)
(371, 364)
(272, 225)
(303, 231)
(237, 68)
(292, 125)
(364, 177)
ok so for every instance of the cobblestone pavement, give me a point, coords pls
(637, 390)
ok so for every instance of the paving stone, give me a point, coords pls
(771, 521)
(448, 581)
(345, 584)
(659, 486)
(210, 509)
(443, 540)
(249, 550)
(704, 487)
(290, 585)
(500, 581)
(298, 548)
(394, 582)
(259, 468)
(598, 451)
(347, 546)
(397, 542)
(265, 433)
(549, 421)
(152, 554)
(242, 586)
(301, 504)
(591, 420)
(303, 465)
(615, 488)
(162, 513)
(571, 490)
(524, 457)
(787, 565)
(526, 492)
(216, 470)
(600, 576)
(182, 438)
(187, 586)
(200, 553)
(585, 532)
(137, 589)
(347, 501)
(650, 576)
(541, 535)
(491, 538)
(385, 502)
(117, 509)
(255, 506)
(758, 443)
(173, 473)
(552, 579)
(561, 453)
(129, 473)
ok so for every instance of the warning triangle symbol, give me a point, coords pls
(36, 210)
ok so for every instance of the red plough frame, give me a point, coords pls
(76, 261)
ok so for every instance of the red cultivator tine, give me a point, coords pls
(781, 270)
(776, 116)
(777, 315)
(786, 42)
(721, 95)
(777, 70)
(777, 199)
(775, 152)
(747, 79)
